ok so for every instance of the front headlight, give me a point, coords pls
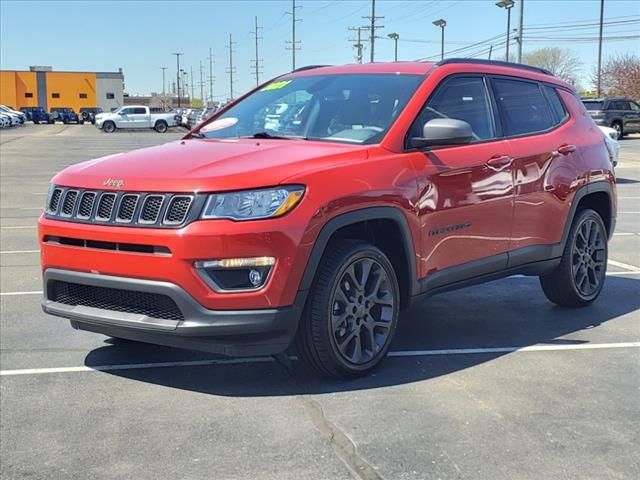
(253, 204)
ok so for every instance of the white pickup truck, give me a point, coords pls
(135, 116)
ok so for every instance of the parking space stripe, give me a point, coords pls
(626, 266)
(400, 354)
(11, 294)
(17, 227)
(12, 252)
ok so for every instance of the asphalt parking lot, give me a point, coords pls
(489, 382)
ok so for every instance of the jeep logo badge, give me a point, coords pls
(112, 182)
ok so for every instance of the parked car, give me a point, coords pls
(184, 118)
(11, 112)
(5, 120)
(611, 141)
(401, 181)
(67, 115)
(622, 114)
(193, 117)
(134, 116)
(207, 112)
(88, 114)
(39, 115)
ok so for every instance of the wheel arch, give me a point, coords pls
(385, 227)
(597, 196)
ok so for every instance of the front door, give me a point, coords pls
(466, 192)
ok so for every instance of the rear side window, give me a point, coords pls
(138, 111)
(523, 108)
(591, 105)
(461, 98)
(557, 107)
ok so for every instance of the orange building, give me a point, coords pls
(42, 87)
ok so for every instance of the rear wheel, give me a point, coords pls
(579, 278)
(161, 126)
(617, 126)
(352, 311)
(109, 127)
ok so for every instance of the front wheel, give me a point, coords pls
(109, 127)
(579, 278)
(352, 311)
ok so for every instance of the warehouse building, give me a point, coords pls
(43, 87)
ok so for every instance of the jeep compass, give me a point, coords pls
(318, 206)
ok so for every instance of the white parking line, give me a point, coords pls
(12, 252)
(626, 266)
(232, 361)
(13, 294)
(17, 227)
(630, 213)
(625, 234)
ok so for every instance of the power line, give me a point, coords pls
(293, 44)
(256, 63)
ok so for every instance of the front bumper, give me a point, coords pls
(226, 332)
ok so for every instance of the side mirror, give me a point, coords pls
(443, 132)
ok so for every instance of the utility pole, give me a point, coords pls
(599, 85)
(201, 85)
(358, 45)
(211, 77)
(256, 65)
(520, 26)
(490, 51)
(163, 83)
(293, 44)
(230, 70)
(178, 73)
(373, 27)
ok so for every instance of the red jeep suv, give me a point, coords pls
(319, 205)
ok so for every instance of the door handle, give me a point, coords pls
(566, 149)
(499, 162)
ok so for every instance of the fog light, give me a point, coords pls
(235, 274)
(255, 277)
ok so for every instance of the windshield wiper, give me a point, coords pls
(269, 135)
(197, 135)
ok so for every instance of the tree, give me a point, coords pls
(562, 62)
(621, 76)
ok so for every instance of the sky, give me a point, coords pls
(141, 36)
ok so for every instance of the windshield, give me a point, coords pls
(593, 105)
(357, 108)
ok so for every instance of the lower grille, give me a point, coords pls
(153, 305)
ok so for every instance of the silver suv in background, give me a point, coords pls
(621, 114)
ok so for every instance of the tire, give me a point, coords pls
(348, 323)
(35, 122)
(108, 127)
(579, 278)
(81, 121)
(617, 126)
(161, 126)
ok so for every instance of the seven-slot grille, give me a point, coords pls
(121, 208)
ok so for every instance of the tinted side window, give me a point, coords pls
(522, 106)
(461, 98)
(139, 111)
(634, 106)
(557, 107)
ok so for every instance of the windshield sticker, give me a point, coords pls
(219, 124)
(276, 85)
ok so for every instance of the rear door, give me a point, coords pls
(140, 117)
(466, 191)
(632, 117)
(546, 161)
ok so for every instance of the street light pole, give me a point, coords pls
(507, 5)
(163, 83)
(178, 73)
(441, 23)
(395, 37)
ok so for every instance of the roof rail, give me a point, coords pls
(499, 63)
(309, 67)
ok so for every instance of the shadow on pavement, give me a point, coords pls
(508, 313)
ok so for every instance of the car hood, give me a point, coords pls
(209, 165)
